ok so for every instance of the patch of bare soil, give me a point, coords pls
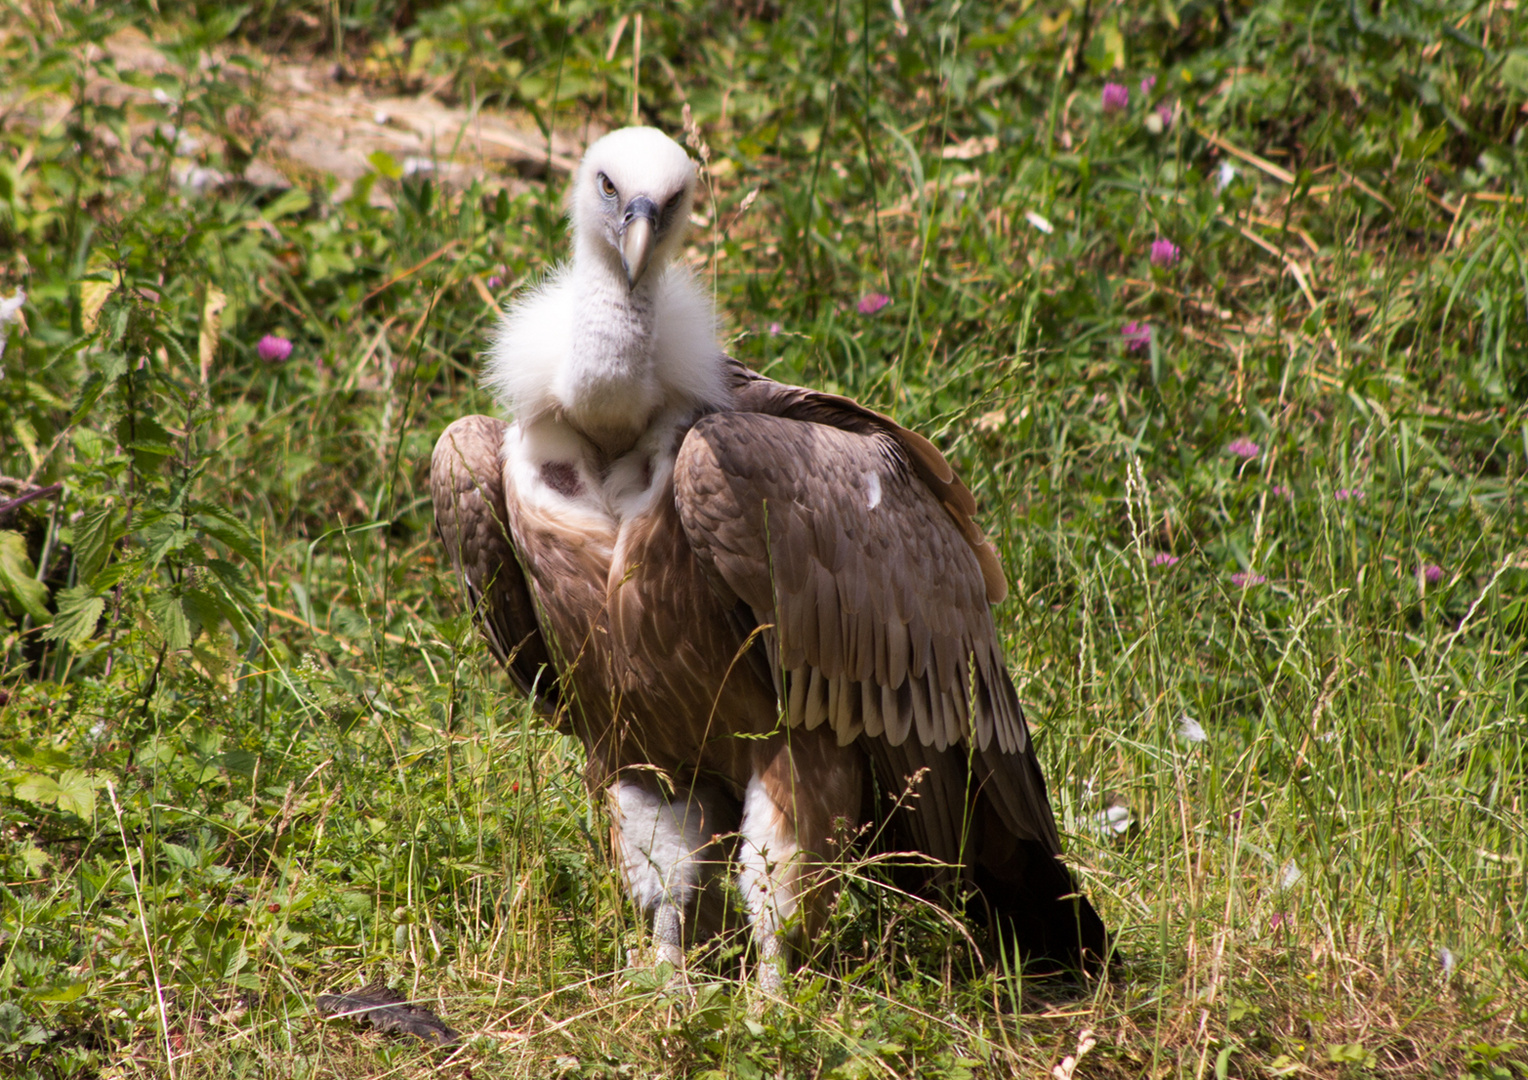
(302, 125)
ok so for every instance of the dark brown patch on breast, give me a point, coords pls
(562, 478)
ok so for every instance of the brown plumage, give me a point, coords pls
(745, 598)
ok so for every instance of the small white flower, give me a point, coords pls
(1289, 873)
(380, 117)
(1038, 221)
(1446, 958)
(1190, 730)
(10, 312)
(414, 166)
(162, 97)
(1068, 1066)
(1224, 176)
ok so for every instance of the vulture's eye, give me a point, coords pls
(607, 189)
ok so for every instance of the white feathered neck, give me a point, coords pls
(532, 366)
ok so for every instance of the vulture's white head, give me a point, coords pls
(623, 334)
(630, 202)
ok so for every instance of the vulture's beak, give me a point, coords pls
(638, 229)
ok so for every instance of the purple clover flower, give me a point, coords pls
(872, 303)
(1165, 114)
(1247, 580)
(1348, 494)
(1148, 84)
(1164, 253)
(774, 329)
(1282, 492)
(1432, 573)
(273, 349)
(495, 282)
(1164, 559)
(1244, 448)
(1137, 336)
(1116, 97)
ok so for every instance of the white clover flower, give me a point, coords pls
(1224, 175)
(1190, 730)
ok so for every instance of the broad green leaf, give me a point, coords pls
(64, 994)
(170, 619)
(179, 855)
(18, 578)
(384, 163)
(79, 609)
(292, 201)
(74, 790)
(77, 791)
(146, 438)
(36, 788)
(92, 540)
(34, 859)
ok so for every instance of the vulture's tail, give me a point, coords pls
(1033, 905)
(1006, 852)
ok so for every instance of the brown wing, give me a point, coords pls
(851, 540)
(879, 603)
(467, 482)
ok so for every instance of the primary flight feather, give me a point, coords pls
(747, 599)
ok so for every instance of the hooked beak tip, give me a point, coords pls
(636, 249)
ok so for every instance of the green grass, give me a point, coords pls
(251, 750)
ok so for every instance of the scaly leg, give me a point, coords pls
(668, 854)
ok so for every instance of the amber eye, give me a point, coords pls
(607, 189)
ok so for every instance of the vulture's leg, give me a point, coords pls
(802, 801)
(671, 857)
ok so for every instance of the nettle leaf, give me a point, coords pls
(233, 581)
(79, 609)
(219, 523)
(93, 538)
(163, 536)
(147, 439)
(112, 367)
(18, 578)
(206, 608)
(170, 619)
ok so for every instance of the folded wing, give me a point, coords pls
(467, 483)
(851, 541)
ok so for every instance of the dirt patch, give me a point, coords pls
(302, 126)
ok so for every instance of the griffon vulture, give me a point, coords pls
(745, 598)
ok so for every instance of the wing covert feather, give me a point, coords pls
(860, 570)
